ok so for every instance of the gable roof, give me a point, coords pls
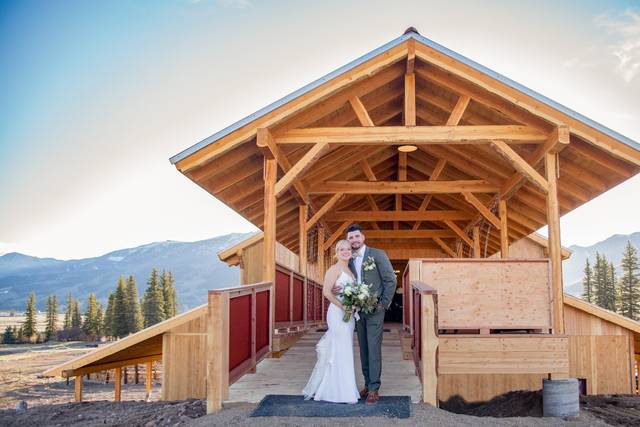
(427, 42)
(229, 164)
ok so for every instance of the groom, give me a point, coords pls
(371, 266)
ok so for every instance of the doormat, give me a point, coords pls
(282, 405)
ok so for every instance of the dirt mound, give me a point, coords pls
(127, 413)
(620, 410)
(512, 404)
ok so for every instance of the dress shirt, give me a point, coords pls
(357, 262)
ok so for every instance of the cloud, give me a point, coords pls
(625, 46)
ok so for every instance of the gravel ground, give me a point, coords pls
(191, 413)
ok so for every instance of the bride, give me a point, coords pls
(333, 378)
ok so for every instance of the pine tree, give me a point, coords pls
(630, 283)
(19, 332)
(52, 318)
(611, 288)
(169, 295)
(133, 312)
(76, 317)
(29, 326)
(107, 322)
(153, 301)
(100, 321)
(587, 283)
(68, 312)
(120, 325)
(9, 336)
(600, 281)
(91, 325)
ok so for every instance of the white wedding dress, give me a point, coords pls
(333, 378)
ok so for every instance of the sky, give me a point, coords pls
(95, 97)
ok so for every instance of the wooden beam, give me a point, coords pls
(266, 144)
(476, 242)
(408, 234)
(367, 216)
(361, 111)
(389, 135)
(269, 227)
(320, 261)
(557, 141)
(429, 348)
(117, 384)
(410, 99)
(458, 110)
(302, 239)
(504, 230)
(411, 55)
(437, 170)
(484, 211)
(402, 176)
(78, 388)
(324, 209)
(336, 234)
(366, 168)
(110, 365)
(452, 225)
(297, 170)
(445, 247)
(217, 380)
(409, 187)
(520, 165)
(555, 248)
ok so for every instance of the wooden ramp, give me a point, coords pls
(289, 373)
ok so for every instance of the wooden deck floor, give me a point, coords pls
(289, 373)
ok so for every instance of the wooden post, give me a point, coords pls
(504, 230)
(429, 343)
(321, 267)
(269, 258)
(124, 374)
(476, 242)
(147, 378)
(78, 388)
(135, 374)
(555, 254)
(217, 350)
(302, 252)
(117, 383)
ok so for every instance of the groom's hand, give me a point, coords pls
(336, 289)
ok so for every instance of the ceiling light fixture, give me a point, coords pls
(407, 148)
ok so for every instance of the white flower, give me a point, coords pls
(362, 297)
(347, 291)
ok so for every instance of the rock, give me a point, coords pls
(150, 424)
(185, 419)
(21, 406)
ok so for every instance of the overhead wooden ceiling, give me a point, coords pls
(447, 92)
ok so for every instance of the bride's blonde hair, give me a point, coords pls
(338, 244)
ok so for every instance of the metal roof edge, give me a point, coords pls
(537, 96)
(231, 128)
(428, 42)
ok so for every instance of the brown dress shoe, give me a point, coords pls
(372, 398)
(363, 393)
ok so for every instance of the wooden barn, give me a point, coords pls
(448, 166)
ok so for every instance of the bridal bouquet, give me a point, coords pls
(358, 297)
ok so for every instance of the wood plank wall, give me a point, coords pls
(599, 351)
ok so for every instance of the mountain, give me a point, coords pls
(611, 247)
(194, 265)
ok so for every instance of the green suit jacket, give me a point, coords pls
(382, 278)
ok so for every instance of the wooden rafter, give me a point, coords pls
(458, 110)
(437, 170)
(445, 247)
(452, 225)
(324, 209)
(398, 215)
(366, 168)
(297, 170)
(361, 112)
(410, 99)
(393, 187)
(484, 211)
(402, 176)
(520, 165)
(336, 234)
(409, 234)
(423, 135)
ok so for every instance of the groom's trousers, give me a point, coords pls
(369, 329)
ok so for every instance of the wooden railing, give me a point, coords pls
(238, 336)
(290, 307)
(425, 338)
